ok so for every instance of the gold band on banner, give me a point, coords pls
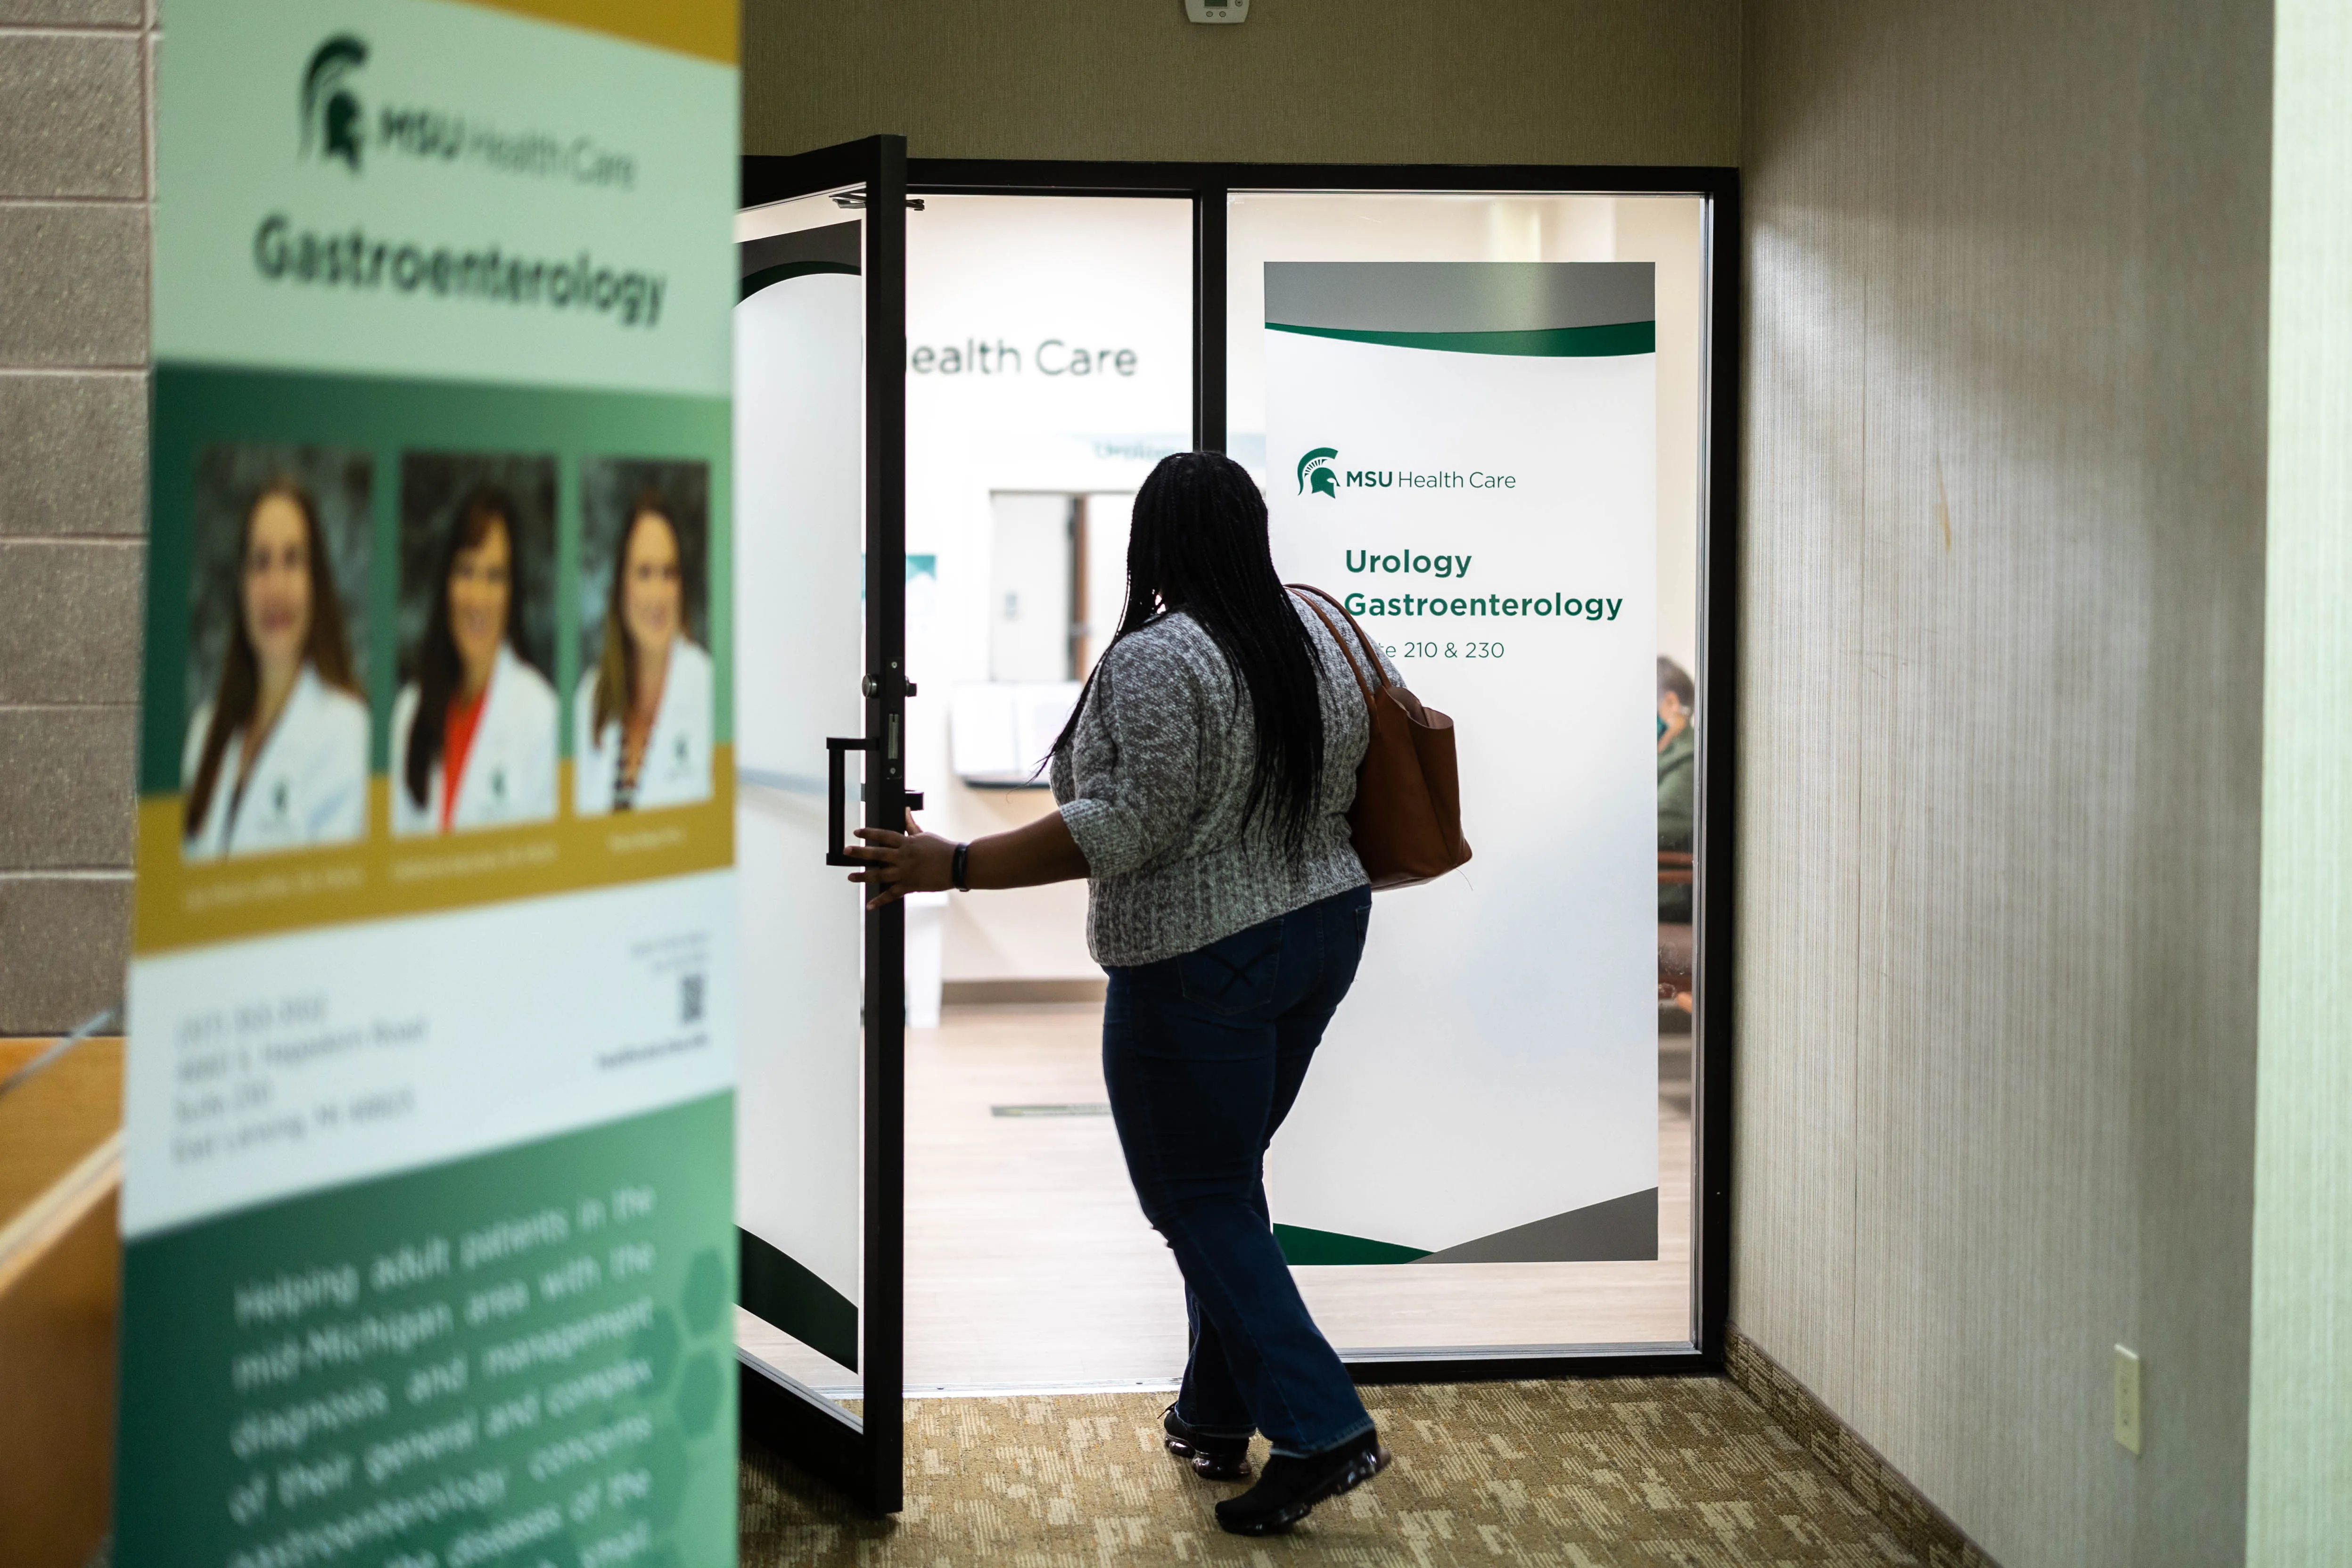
(180, 905)
(696, 27)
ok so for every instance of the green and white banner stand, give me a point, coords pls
(429, 1249)
(1468, 453)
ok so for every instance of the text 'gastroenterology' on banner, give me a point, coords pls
(429, 1251)
(1465, 452)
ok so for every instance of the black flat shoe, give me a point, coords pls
(1290, 1488)
(1213, 1459)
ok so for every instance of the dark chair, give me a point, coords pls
(1676, 942)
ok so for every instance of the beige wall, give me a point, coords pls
(73, 429)
(2001, 746)
(1537, 81)
(2300, 1460)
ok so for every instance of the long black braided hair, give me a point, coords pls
(1198, 545)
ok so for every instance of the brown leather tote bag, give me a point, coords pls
(1406, 823)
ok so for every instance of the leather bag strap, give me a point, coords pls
(1378, 675)
(1352, 667)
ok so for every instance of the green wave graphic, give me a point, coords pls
(1608, 340)
(772, 275)
(780, 1289)
(1302, 1245)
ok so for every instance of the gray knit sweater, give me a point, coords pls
(1153, 784)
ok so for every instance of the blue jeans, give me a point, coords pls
(1203, 1054)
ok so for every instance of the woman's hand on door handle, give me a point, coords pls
(917, 862)
(902, 863)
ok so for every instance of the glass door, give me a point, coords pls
(1480, 419)
(821, 697)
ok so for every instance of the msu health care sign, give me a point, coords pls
(1465, 452)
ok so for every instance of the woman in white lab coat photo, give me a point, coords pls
(277, 757)
(473, 733)
(641, 717)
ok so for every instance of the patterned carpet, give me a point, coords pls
(1582, 1474)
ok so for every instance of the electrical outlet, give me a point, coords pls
(2127, 1398)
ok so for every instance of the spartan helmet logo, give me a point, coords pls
(331, 110)
(1316, 473)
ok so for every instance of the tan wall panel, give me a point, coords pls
(58, 1308)
(1599, 82)
(51, 1121)
(2002, 745)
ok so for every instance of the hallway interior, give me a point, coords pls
(1030, 1267)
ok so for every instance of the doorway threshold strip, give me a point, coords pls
(1041, 1390)
(1102, 1109)
(834, 1393)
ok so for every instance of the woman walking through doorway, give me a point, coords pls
(1204, 781)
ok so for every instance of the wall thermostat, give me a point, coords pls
(1217, 10)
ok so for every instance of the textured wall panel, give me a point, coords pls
(2000, 749)
(74, 637)
(73, 453)
(2300, 1491)
(75, 12)
(70, 124)
(77, 294)
(65, 786)
(62, 941)
(1356, 81)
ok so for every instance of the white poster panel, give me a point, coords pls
(1465, 453)
(801, 495)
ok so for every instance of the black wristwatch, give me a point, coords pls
(959, 869)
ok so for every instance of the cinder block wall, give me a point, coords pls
(75, 181)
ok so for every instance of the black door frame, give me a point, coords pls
(865, 1454)
(1208, 186)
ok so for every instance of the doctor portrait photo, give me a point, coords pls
(276, 750)
(474, 726)
(641, 717)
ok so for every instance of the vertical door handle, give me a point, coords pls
(836, 797)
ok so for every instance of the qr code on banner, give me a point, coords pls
(690, 999)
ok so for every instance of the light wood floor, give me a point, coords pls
(1029, 1265)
